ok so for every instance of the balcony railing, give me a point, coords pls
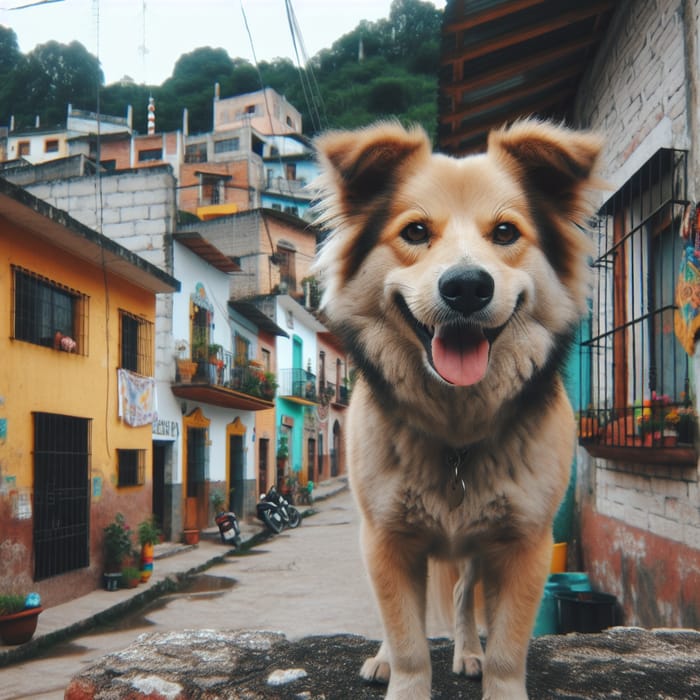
(299, 384)
(333, 393)
(224, 375)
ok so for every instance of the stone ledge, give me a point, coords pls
(631, 663)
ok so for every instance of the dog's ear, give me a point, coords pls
(554, 162)
(363, 163)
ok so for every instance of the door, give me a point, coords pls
(196, 470)
(236, 477)
(61, 494)
(263, 459)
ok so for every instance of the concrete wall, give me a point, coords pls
(639, 523)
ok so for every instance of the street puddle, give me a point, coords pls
(198, 587)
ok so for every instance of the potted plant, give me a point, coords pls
(218, 501)
(214, 349)
(130, 577)
(268, 386)
(19, 615)
(148, 534)
(117, 546)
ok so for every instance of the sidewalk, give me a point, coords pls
(175, 561)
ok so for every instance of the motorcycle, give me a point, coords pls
(229, 529)
(276, 512)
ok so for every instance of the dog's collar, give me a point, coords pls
(456, 488)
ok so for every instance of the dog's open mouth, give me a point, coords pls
(458, 353)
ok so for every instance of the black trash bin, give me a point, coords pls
(585, 611)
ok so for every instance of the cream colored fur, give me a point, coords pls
(513, 430)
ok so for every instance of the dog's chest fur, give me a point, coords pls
(414, 482)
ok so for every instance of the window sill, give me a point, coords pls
(679, 455)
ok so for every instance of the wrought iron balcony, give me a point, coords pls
(298, 385)
(333, 393)
(223, 383)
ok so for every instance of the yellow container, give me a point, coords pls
(558, 565)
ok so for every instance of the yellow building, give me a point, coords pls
(80, 313)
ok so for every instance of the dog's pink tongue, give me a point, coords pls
(461, 357)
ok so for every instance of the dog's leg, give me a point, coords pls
(468, 654)
(513, 580)
(398, 574)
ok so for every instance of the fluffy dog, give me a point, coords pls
(455, 285)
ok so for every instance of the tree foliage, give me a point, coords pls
(379, 69)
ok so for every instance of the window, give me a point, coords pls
(196, 153)
(212, 190)
(47, 313)
(136, 343)
(635, 373)
(285, 257)
(110, 164)
(131, 467)
(61, 494)
(242, 350)
(51, 146)
(23, 149)
(227, 145)
(267, 364)
(150, 154)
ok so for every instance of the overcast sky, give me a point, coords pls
(114, 30)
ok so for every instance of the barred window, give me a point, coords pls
(131, 467)
(634, 370)
(47, 313)
(150, 154)
(136, 345)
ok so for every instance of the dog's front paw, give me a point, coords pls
(468, 664)
(376, 669)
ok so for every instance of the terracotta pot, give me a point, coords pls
(19, 627)
(191, 536)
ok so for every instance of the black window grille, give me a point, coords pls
(48, 313)
(634, 371)
(136, 344)
(61, 494)
(131, 467)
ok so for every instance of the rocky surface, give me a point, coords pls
(625, 663)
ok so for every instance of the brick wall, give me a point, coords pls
(640, 523)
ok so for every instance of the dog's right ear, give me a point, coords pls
(363, 163)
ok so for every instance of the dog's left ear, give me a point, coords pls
(554, 161)
(363, 163)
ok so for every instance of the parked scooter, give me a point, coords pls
(228, 528)
(276, 512)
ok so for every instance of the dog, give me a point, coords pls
(455, 284)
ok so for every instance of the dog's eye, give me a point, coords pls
(505, 234)
(415, 233)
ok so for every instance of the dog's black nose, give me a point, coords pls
(466, 288)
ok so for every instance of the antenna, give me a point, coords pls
(143, 50)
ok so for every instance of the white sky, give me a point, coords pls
(174, 27)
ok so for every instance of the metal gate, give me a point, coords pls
(61, 494)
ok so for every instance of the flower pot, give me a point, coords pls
(19, 627)
(186, 370)
(191, 536)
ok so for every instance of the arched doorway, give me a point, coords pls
(235, 458)
(195, 458)
(336, 450)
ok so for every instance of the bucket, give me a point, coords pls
(547, 621)
(558, 564)
(585, 611)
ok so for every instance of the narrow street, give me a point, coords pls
(302, 582)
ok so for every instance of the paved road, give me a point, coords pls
(303, 582)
